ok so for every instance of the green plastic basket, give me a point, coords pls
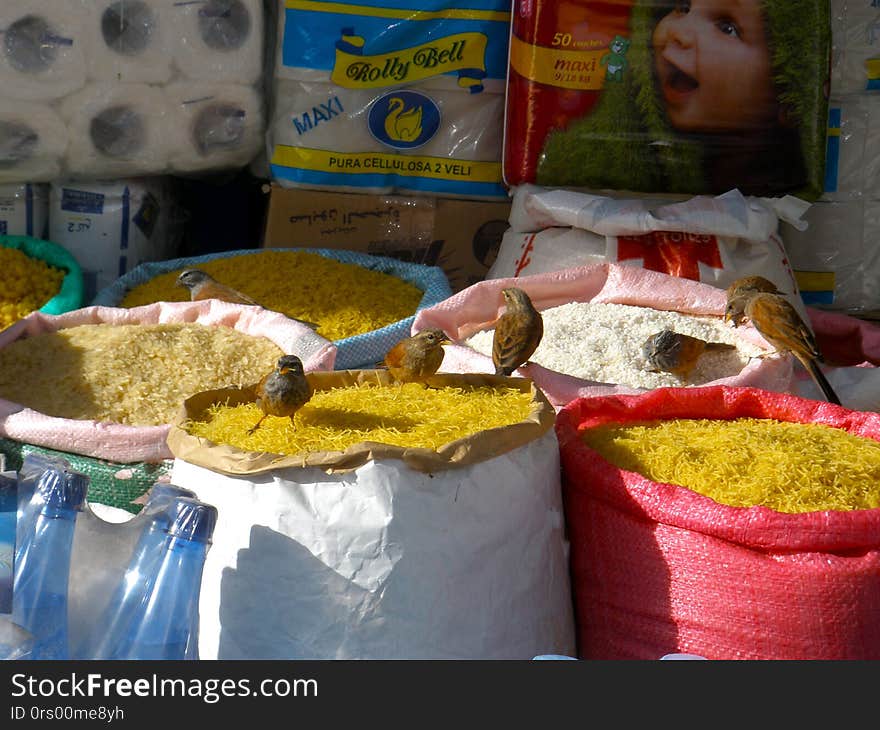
(72, 292)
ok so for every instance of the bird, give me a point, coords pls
(202, 286)
(677, 353)
(738, 292)
(518, 332)
(283, 391)
(780, 324)
(415, 359)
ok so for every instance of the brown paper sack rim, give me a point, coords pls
(478, 447)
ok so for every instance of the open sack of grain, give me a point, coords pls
(732, 523)
(596, 319)
(37, 275)
(103, 384)
(391, 522)
(363, 304)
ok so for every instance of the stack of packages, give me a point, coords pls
(836, 259)
(97, 94)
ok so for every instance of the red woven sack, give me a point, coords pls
(658, 568)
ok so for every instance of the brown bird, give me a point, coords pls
(738, 293)
(202, 286)
(416, 358)
(518, 332)
(283, 391)
(780, 324)
(676, 353)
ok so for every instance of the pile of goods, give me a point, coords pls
(26, 284)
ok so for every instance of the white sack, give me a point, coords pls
(386, 562)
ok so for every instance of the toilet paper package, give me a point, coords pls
(116, 130)
(24, 210)
(33, 141)
(98, 89)
(852, 158)
(212, 125)
(41, 53)
(836, 260)
(112, 226)
(855, 52)
(129, 41)
(376, 98)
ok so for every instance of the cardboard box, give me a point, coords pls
(460, 236)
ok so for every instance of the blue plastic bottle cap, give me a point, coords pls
(63, 490)
(161, 491)
(193, 520)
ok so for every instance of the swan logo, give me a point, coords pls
(404, 119)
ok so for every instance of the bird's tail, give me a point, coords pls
(719, 346)
(819, 377)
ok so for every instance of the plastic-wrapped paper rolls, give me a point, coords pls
(41, 49)
(855, 58)
(130, 41)
(24, 210)
(852, 164)
(116, 130)
(322, 137)
(219, 40)
(213, 125)
(33, 141)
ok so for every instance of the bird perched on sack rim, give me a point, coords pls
(283, 391)
(780, 324)
(518, 332)
(738, 293)
(202, 286)
(415, 359)
(676, 353)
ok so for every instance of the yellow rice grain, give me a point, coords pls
(343, 299)
(132, 374)
(334, 419)
(789, 467)
(26, 284)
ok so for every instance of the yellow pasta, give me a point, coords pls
(334, 419)
(343, 299)
(789, 467)
(26, 284)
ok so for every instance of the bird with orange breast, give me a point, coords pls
(518, 332)
(203, 286)
(739, 292)
(283, 391)
(677, 353)
(780, 324)
(415, 359)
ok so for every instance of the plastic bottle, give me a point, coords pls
(42, 560)
(154, 612)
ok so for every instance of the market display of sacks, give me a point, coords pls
(596, 321)
(373, 550)
(99, 386)
(364, 304)
(786, 569)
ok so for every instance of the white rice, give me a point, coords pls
(603, 343)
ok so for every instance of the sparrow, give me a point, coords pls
(283, 391)
(738, 292)
(416, 358)
(202, 286)
(780, 324)
(518, 332)
(676, 353)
